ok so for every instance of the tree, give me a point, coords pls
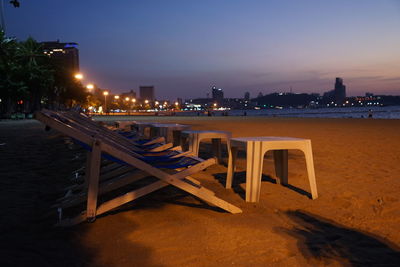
(10, 85)
(35, 71)
(27, 74)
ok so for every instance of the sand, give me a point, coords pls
(354, 222)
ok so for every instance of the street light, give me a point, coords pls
(105, 93)
(78, 76)
(90, 86)
(116, 97)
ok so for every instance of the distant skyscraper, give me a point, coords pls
(65, 55)
(247, 96)
(147, 93)
(217, 93)
(340, 91)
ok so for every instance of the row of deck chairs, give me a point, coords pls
(116, 161)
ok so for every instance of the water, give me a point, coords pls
(389, 112)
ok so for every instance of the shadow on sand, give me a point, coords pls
(324, 240)
(240, 178)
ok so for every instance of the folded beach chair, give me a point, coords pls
(167, 170)
(138, 142)
(120, 175)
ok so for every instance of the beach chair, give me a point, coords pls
(74, 194)
(120, 175)
(139, 143)
(176, 172)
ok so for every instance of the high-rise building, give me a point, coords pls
(65, 55)
(340, 91)
(147, 93)
(217, 93)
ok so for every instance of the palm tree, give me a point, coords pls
(10, 85)
(36, 72)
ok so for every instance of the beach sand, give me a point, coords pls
(354, 222)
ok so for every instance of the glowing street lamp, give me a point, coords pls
(90, 86)
(146, 101)
(78, 76)
(116, 96)
(126, 98)
(157, 103)
(133, 100)
(105, 93)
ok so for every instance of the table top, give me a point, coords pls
(266, 139)
(205, 131)
(170, 125)
(142, 122)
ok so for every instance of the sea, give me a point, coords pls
(385, 112)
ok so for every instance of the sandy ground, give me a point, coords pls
(354, 222)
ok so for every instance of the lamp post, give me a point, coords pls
(105, 93)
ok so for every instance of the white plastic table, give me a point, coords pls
(195, 138)
(256, 147)
(143, 128)
(170, 131)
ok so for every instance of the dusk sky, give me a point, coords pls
(184, 47)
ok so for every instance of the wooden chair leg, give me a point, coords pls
(93, 180)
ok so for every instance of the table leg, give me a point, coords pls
(216, 145)
(176, 137)
(255, 159)
(194, 144)
(310, 170)
(231, 166)
(281, 166)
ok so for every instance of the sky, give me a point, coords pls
(184, 47)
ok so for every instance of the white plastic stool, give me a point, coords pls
(195, 138)
(256, 147)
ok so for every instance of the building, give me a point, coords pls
(65, 55)
(336, 96)
(217, 93)
(340, 91)
(147, 93)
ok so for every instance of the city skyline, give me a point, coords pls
(184, 48)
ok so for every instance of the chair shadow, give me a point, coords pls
(322, 239)
(240, 178)
(156, 200)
